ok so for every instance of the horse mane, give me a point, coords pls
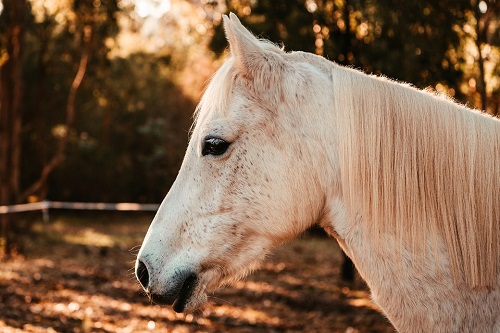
(414, 163)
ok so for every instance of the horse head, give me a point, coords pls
(250, 178)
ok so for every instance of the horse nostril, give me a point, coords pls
(141, 272)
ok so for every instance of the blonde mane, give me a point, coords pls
(414, 163)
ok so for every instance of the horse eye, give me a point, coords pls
(214, 146)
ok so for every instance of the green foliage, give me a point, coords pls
(405, 40)
(287, 22)
(132, 138)
(132, 119)
(130, 130)
(420, 42)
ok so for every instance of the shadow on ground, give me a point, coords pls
(76, 276)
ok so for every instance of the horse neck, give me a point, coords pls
(421, 169)
(457, 150)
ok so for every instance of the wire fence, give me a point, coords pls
(45, 206)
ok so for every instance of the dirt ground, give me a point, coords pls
(76, 275)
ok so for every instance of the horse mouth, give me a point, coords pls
(185, 293)
(180, 299)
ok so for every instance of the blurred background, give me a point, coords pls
(101, 92)
(96, 96)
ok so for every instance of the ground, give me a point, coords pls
(75, 274)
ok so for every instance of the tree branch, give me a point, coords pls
(58, 157)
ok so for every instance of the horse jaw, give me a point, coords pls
(222, 263)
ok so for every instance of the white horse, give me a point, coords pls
(408, 182)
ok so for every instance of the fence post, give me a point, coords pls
(45, 211)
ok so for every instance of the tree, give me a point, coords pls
(59, 154)
(11, 98)
(93, 22)
(421, 42)
(90, 25)
(287, 22)
(481, 54)
(405, 40)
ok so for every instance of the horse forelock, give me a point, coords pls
(218, 92)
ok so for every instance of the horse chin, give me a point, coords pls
(186, 294)
(191, 304)
(207, 282)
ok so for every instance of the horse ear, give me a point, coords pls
(245, 47)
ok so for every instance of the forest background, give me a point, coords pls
(96, 96)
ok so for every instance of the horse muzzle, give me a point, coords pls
(177, 292)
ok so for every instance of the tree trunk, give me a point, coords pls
(40, 124)
(481, 85)
(484, 20)
(11, 92)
